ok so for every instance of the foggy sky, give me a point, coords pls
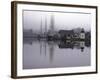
(32, 20)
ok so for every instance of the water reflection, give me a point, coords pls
(60, 43)
(59, 53)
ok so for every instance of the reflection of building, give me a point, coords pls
(82, 45)
(72, 45)
(66, 44)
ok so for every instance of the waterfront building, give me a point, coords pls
(82, 34)
(66, 34)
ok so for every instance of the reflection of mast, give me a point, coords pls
(40, 47)
(51, 50)
(51, 53)
(45, 48)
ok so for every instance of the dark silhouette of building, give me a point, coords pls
(66, 34)
(82, 34)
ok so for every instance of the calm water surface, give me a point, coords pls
(52, 54)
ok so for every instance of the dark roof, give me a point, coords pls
(66, 31)
(82, 30)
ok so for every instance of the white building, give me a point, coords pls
(82, 34)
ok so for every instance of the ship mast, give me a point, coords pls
(52, 24)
